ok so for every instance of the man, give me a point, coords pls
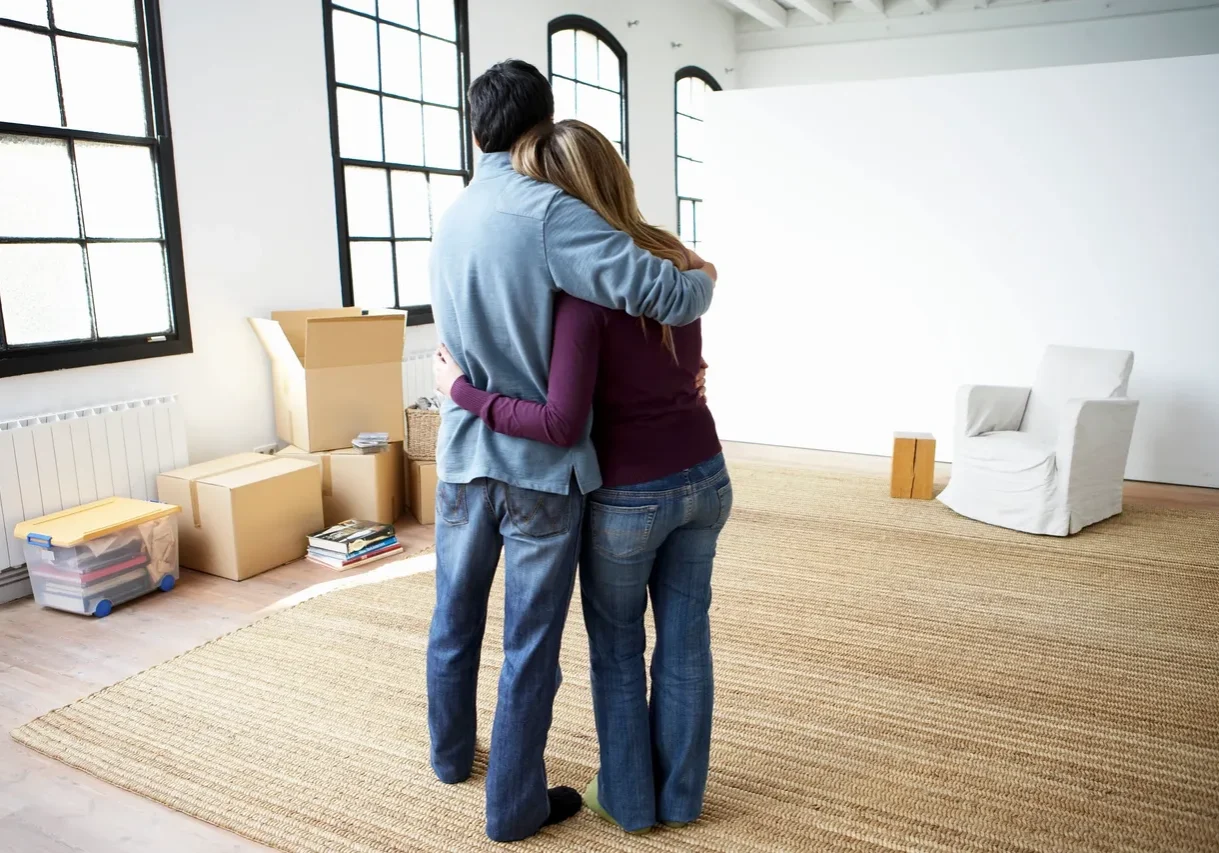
(503, 250)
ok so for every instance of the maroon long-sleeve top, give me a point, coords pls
(649, 421)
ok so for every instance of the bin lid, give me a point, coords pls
(82, 523)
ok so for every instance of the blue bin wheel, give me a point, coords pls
(167, 583)
(103, 608)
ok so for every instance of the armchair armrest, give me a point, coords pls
(1094, 441)
(989, 408)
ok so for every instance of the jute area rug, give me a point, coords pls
(889, 677)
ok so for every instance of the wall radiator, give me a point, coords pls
(417, 376)
(58, 461)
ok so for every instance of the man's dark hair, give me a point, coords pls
(505, 101)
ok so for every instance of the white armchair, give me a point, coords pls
(1049, 459)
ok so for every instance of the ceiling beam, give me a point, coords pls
(875, 7)
(768, 12)
(821, 11)
(927, 6)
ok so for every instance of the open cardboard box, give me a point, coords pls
(336, 373)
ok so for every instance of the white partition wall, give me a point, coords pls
(882, 242)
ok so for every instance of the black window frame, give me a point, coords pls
(41, 358)
(416, 315)
(688, 72)
(588, 25)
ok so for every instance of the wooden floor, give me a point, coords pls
(48, 659)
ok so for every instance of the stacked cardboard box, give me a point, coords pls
(336, 373)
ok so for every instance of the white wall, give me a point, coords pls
(882, 242)
(1180, 33)
(249, 107)
(501, 30)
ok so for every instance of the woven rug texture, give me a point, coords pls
(889, 676)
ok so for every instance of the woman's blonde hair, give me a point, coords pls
(579, 160)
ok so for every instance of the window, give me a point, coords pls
(693, 84)
(398, 74)
(90, 249)
(588, 74)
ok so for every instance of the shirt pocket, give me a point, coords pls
(539, 515)
(620, 532)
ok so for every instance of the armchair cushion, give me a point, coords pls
(1068, 373)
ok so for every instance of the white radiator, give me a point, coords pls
(54, 462)
(417, 376)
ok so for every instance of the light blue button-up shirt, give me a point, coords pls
(502, 252)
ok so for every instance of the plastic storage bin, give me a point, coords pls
(88, 559)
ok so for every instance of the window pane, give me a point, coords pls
(689, 138)
(442, 137)
(564, 99)
(369, 7)
(445, 190)
(438, 18)
(685, 220)
(603, 110)
(372, 275)
(29, 11)
(439, 72)
(683, 95)
(563, 53)
(118, 190)
(403, 132)
(399, 62)
(113, 19)
(586, 57)
(130, 295)
(37, 198)
(42, 289)
(410, 204)
(689, 179)
(102, 86)
(610, 73)
(27, 57)
(698, 98)
(400, 11)
(414, 287)
(359, 125)
(367, 202)
(355, 50)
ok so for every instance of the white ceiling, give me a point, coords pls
(780, 23)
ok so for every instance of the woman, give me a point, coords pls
(652, 527)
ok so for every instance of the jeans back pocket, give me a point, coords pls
(539, 515)
(620, 532)
(451, 507)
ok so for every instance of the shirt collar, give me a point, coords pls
(493, 165)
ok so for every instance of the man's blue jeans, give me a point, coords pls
(539, 534)
(654, 539)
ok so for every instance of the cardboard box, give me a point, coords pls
(336, 374)
(367, 486)
(422, 490)
(244, 514)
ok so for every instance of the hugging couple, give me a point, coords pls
(555, 301)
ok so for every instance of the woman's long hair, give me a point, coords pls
(579, 160)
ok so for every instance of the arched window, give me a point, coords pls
(693, 84)
(398, 73)
(588, 73)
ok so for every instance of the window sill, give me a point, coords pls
(89, 354)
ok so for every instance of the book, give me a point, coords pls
(348, 537)
(341, 565)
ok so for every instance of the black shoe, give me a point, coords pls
(564, 803)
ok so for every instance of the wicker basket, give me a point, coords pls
(421, 429)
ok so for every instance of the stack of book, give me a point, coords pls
(353, 543)
(371, 442)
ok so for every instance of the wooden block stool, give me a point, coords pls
(913, 465)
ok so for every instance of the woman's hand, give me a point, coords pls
(445, 370)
